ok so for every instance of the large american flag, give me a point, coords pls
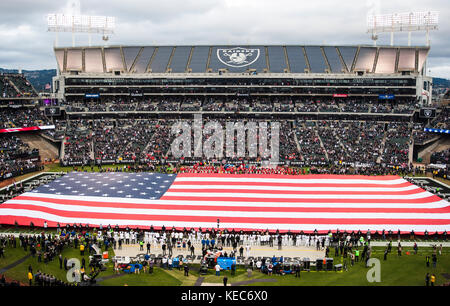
(240, 201)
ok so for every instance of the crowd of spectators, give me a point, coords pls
(380, 108)
(123, 105)
(22, 117)
(329, 132)
(126, 142)
(146, 106)
(16, 157)
(22, 84)
(238, 103)
(442, 119)
(190, 105)
(168, 105)
(288, 145)
(419, 135)
(328, 106)
(441, 157)
(284, 106)
(15, 86)
(6, 89)
(59, 131)
(403, 109)
(310, 142)
(362, 141)
(262, 107)
(77, 142)
(212, 105)
(398, 140)
(159, 144)
(311, 150)
(353, 106)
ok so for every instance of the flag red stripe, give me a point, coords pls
(294, 177)
(6, 219)
(213, 219)
(231, 208)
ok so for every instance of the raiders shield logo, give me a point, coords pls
(238, 57)
(427, 112)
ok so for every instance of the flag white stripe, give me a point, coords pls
(283, 188)
(210, 202)
(297, 196)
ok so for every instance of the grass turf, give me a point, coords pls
(159, 277)
(405, 270)
(20, 271)
(12, 255)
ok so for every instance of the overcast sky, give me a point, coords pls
(25, 42)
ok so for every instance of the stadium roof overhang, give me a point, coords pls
(249, 60)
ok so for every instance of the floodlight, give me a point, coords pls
(80, 23)
(402, 22)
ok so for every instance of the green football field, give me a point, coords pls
(405, 270)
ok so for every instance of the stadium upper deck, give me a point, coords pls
(350, 71)
(294, 59)
(14, 86)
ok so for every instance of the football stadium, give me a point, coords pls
(262, 164)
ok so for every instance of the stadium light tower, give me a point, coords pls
(402, 22)
(80, 24)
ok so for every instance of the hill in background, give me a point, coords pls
(441, 83)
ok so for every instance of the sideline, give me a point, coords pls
(429, 178)
(199, 281)
(256, 280)
(16, 263)
(28, 179)
(100, 279)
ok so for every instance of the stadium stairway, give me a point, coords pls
(410, 150)
(14, 86)
(91, 153)
(63, 146)
(383, 144)
(47, 150)
(439, 145)
(444, 144)
(296, 142)
(338, 138)
(432, 140)
(321, 144)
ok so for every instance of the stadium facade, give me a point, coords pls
(299, 85)
(358, 71)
